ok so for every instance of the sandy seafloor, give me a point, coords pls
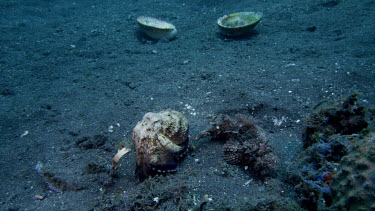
(71, 69)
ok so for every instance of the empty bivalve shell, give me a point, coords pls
(237, 24)
(156, 29)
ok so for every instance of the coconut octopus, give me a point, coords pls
(246, 144)
(161, 141)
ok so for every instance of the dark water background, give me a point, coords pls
(72, 69)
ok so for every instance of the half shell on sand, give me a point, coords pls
(156, 29)
(238, 24)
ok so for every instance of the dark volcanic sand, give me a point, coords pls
(71, 69)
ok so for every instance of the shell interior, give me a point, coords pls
(154, 23)
(241, 19)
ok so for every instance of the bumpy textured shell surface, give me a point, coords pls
(161, 140)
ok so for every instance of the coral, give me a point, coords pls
(331, 149)
(246, 144)
(330, 118)
(317, 170)
(354, 183)
(311, 191)
(332, 141)
(161, 140)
